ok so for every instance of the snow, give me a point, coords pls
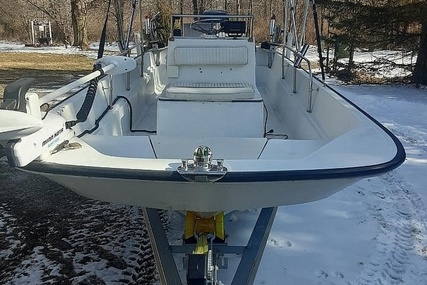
(18, 47)
(374, 232)
(377, 63)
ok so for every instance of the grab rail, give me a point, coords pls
(297, 54)
(128, 50)
(224, 17)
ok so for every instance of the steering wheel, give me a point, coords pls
(209, 26)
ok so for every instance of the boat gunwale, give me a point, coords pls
(236, 176)
(230, 177)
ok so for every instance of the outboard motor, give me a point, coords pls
(14, 95)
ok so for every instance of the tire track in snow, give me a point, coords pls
(400, 214)
(49, 235)
(119, 248)
(412, 136)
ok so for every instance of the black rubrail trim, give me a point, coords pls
(230, 177)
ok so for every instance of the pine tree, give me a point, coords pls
(420, 72)
(392, 24)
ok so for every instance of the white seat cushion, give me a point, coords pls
(211, 55)
(197, 91)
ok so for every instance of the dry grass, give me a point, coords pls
(44, 61)
(50, 70)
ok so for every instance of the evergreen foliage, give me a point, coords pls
(374, 25)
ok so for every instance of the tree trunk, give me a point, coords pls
(119, 23)
(195, 7)
(78, 17)
(420, 71)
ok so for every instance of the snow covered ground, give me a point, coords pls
(19, 47)
(374, 232)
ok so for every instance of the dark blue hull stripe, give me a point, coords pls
(230, 177)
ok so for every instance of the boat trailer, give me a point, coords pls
(203, 259)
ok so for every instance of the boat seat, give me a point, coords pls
(205, 60)
(199, 91)
(208, 55)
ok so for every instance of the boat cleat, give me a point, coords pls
(201, 168)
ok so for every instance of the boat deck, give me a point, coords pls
(144, 123)
(162, 147)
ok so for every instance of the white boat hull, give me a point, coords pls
(201, 197)
(275, 140)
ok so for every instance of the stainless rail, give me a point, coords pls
(297, 54)
(207, 16)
